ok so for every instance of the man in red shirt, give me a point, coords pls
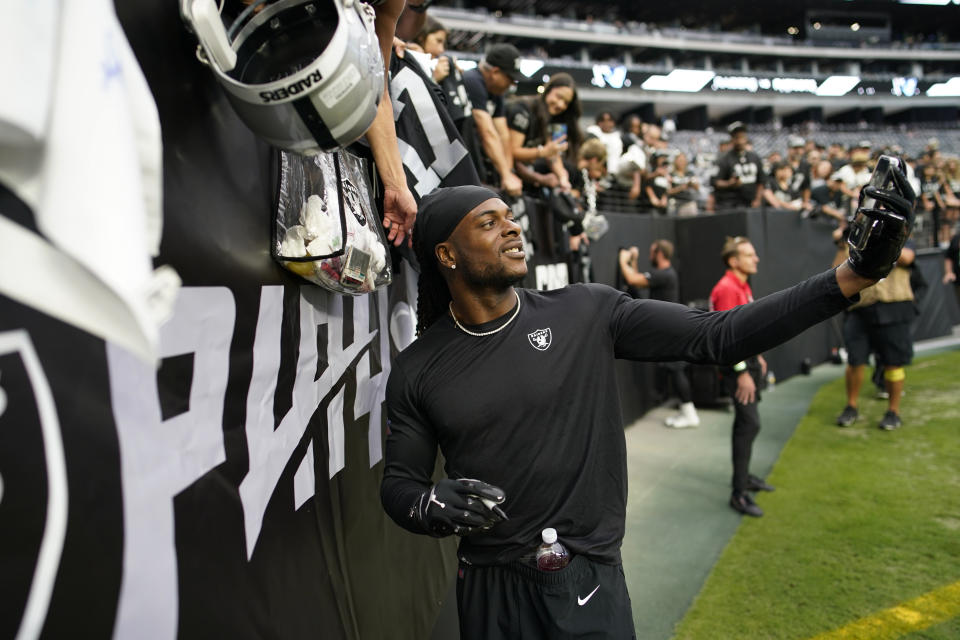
(742, 379)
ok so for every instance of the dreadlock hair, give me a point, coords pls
(433, 296)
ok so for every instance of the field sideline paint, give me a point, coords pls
(920, 613)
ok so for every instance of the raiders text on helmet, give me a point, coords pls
(308, 74)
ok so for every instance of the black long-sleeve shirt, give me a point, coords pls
(534, 408)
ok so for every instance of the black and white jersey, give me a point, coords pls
(520, 118)
(747, 166)
(433, 152)
(534, 408)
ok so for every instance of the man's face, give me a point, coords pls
(606, 123)
(653, 255)
(746, 259)
(795, 153)
(487, 247)
(739, 140)
(498, 82)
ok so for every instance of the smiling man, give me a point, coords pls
(517, 389)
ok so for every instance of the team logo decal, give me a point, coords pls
(540, 339)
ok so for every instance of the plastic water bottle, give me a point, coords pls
(551, 555)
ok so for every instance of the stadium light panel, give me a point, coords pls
(529, 66)
(686, 80)
(939, 3)
(837, 85)
(948, 89)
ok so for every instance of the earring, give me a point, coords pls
(453, 266)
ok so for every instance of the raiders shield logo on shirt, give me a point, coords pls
(540, 339)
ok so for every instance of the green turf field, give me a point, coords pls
(862, 521)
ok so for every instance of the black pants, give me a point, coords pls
(746, 426)
(586, 599)
(678, 375)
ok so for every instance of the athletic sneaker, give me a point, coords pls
(848, 417)
(743, 503)
(890, 421)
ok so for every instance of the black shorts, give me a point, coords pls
(585, 599)
(893, 342)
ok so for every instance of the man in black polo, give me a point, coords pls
(486, 86)
(517, 389)
(664, 284)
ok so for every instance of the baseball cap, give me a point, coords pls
(864, 144)
(796, 141)
(733, 127)
(506, 58)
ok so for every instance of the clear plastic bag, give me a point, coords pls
(327, 230)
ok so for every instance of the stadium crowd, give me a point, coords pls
(537, 145)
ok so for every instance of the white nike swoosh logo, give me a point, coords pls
(583, 601)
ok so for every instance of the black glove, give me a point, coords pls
(457, 506)
(877, 235)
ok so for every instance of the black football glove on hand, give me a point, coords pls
(457, 506)
(877, 235)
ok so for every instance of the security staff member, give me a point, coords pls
(516, 388)
(741, 380)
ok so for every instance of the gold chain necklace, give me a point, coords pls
(485, 333)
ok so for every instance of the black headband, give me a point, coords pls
(442, 210)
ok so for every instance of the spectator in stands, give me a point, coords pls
(951, 197)
(951, 264)
(740, 176)
(828, 197)
(633, 127)
(432, 40)
(653, 139)
(658, 184)
(796, 158)
(773, 159)
(819, 172)
(486, 85)
(664, 284)
(606, 131)
(743, 379)
(837, 155)
(631, 169)
(684, 188)
(951, 175)
(931, 199)
(779, 191)
(544, 128)
(813, 157)
(592, 182)
(855, 174)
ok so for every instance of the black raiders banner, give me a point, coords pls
(434, 154)
(233, 491)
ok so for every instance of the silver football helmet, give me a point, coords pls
(305, 75)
